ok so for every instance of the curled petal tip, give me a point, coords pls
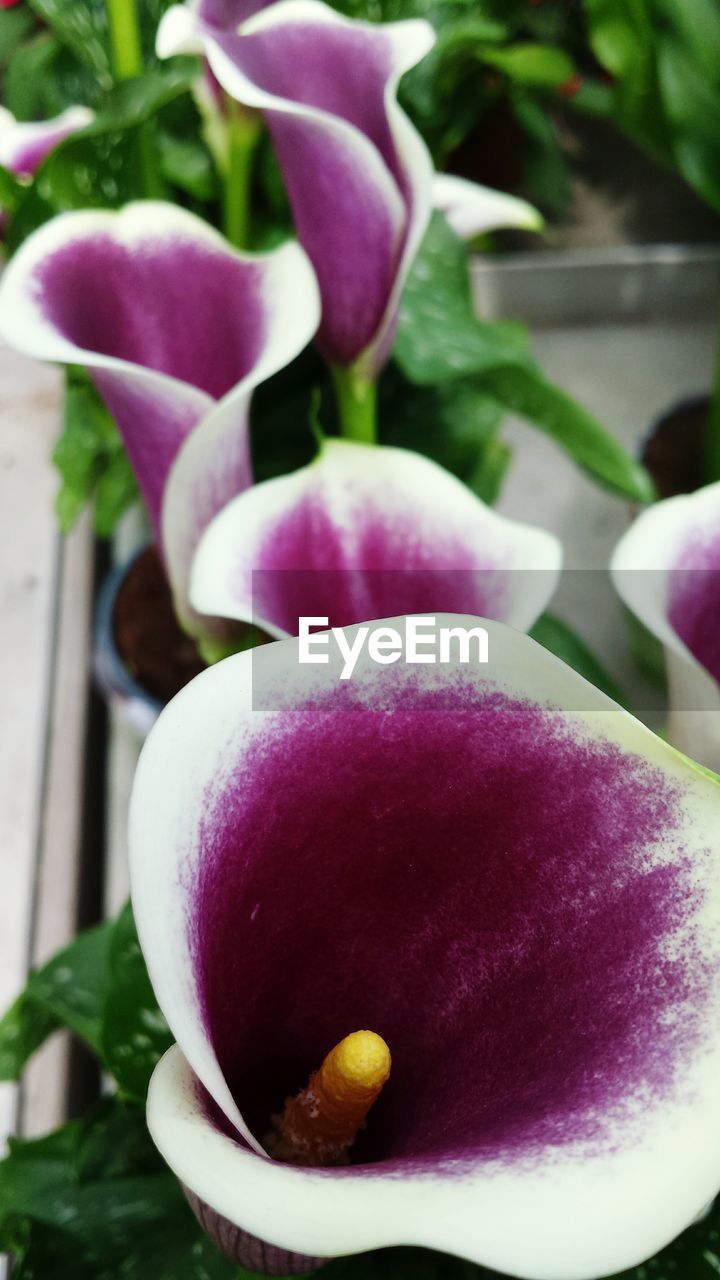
(178, 32)
(472, 209)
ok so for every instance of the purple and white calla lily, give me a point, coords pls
(25, 144)
(359, 176)
(362, 532)
(176, 330)
(666, 569)
(498, 870)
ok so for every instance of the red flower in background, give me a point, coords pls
(8, 4)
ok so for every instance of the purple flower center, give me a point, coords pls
(482, 885)
(177, 307)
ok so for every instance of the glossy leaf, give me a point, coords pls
(68, 991)
(117, 1213)
(82, 25)
(23, 1029)
(455, 424)
(134, 1033)
(440, 339)
(26, 77)
(579, 434)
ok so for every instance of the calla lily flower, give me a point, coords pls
(176, 330)
(667, 571)
(359, 177)
(496, 869)
(362, 531)
(24, 145)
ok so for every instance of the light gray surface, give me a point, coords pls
(626, 374)
(44, 601)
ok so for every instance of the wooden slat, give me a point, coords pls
(29, 558)
(57, 885)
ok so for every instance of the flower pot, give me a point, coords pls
(141, 657)
(672, 450)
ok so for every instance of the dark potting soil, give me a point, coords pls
(673, 451)
(155, 650)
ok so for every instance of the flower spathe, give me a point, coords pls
(176, 329)
(502, 873)
(362, 215)
(359, 177)
(25, 144)
(362, 532)
(666, 569)
(471, 209)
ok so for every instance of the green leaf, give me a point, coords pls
(647, 651)
(545, 166)
(90, 458)
(103, 165)
(15, 27)
(134, 1032)
(487, 479)
(186, 164)
(11, 191)
(545, 66)
(91, 1200)
(559, 638)
(23, 1029)
(116, 491)
(26, 77)
(113, 1142)
(71, 985)
(67, 992)
(31, 212)
(454, 424)
(579, 434)
(82, 26)
(692, 104)
(439, 337)
(440, 340)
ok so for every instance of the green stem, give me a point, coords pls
(356, 400)
(711, 460)
(125, 38)
(127, 62)
(244, 129)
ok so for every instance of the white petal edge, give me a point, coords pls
(472, 209)
(640, 565)
(219, 566)
(569, 1219)
(16, 135)
(24, 326)
(181, 31)
(200, 481)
